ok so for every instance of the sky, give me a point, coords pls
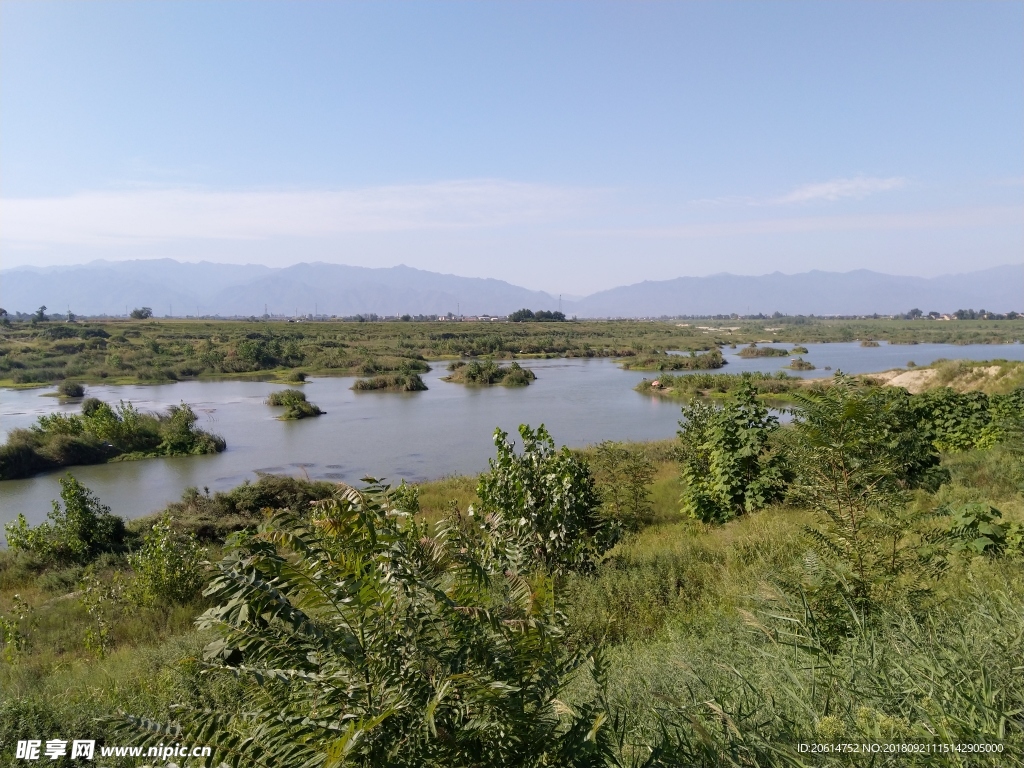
(562, 146)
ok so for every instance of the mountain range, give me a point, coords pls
(205, 288)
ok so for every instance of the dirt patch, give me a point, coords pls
(914, 382)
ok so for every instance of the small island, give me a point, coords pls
(869, 343)
(717, 385)
(662, 361)
(101, 433)
(799, 364)
(489, 373)
(755, 351)
(391, 382)
(800, 350)
(296, 404)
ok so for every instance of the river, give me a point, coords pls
(417, 436)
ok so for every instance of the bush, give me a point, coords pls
(77, 532)
(730, 465)
(168, 567)
(70, 389)
(549, 498)
(396, 382)
(360, 636)
(286, 397)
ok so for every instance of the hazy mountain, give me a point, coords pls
(822, 293)
(166, 285)
(225, 289)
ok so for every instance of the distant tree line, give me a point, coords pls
(540, 316)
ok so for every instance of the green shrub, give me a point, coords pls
(360, 638)
(730, 465)
(70, 389)
(77, 532)
(286, 397)
(169, 566)
(396, 382)
(549, 499)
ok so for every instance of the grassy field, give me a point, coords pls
(167, 350)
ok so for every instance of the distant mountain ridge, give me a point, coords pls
(185, 288)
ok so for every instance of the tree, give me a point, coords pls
(858, 453)
(549, 499)
(141, 313)
(168, 567)
(75, 533)
(624, 476)
(39, 316)
(730, 466)
(361, 639)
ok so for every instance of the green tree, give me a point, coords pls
(729, 463)
(168, 567)
(76, 532)
(623, 475)
(550, 498)
(141, 313)
(858, 452)
(363, 640)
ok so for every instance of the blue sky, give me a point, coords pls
(563, 146)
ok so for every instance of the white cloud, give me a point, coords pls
(151, 215)
(837, 189)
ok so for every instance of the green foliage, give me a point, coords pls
(488, 372)
(978, 529)
(755, 351)
(714, 384)
(541, 315)
(662, 361)
(858, 452)
(100, 433)
(295, 403)
(168, 566)
(623, 475)
(77, 532)
(406, 498)
(286, 397)
(363, 641)
(549, 498)
(397, 382)
(730, 466)
(141, 313)
(70, 389)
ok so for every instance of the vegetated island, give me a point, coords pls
(489, 373)
(869, 343)
(391, 382)
(295, 403)
(799, 364)
(799, 350)
(100, 434)
(717, 385)
(755, 351)
(930, 562)
(662, 361)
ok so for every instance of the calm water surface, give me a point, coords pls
(445, 430)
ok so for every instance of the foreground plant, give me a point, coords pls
(364, 641)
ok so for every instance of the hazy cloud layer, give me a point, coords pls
(148, 215)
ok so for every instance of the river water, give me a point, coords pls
(416, 436)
